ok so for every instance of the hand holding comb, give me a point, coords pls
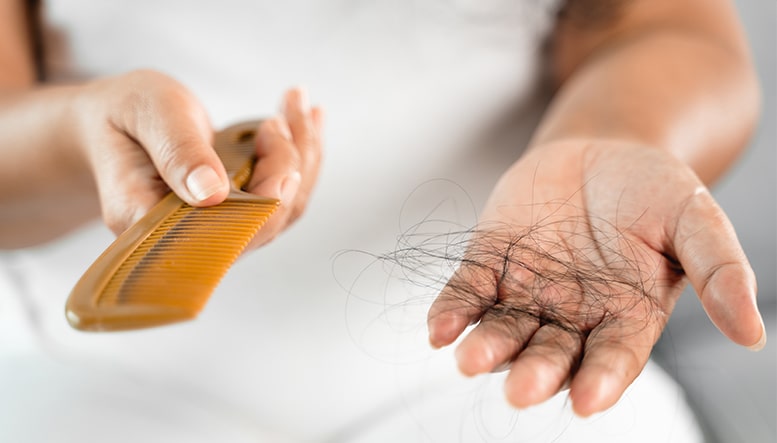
(163, 268)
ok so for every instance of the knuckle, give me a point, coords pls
(151, 81)
(260, 241)
(295, 212)
(291, 160)
(124, 202)
(170, 153)
(294, 157)
(313, 155)
(142, 90)
(174, 155)
(137, 83)
(145, 75)
(307, 142)
(118, 217)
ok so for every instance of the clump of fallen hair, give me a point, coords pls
(551, 273)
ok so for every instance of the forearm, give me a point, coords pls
(690, 92)
(46, 187)
(602, 186)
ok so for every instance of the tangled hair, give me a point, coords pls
(572, 273)
(573, 284)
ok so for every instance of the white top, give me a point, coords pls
(427, 102)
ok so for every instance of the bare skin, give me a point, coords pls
(117, 145)
(640, 125)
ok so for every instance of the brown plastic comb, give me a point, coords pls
(163, 269)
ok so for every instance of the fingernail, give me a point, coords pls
(761, 342)
(289, 187)
(203, 182)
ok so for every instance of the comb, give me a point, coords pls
(164, 268)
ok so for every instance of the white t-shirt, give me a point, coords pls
(427, 102)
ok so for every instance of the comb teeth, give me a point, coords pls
(186, 256)
(164, 268)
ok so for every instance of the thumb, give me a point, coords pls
(708, 250)
(173, 129)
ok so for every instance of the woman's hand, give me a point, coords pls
(289, 152)
(143, 134)
(581, 253)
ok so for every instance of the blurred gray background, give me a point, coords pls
(734, 390)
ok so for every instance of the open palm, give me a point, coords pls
(580, 255)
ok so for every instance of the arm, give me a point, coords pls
(590, 237)
(675, 75)
(18, 221)
(117, 145)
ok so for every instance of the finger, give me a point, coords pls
(305, 127)
(499, 337)
(289, 151)
(709, 252)
(468, 293)
(125, 201)
(318, 121)
(276, 174)
(174, 130)
(278, 159)
(541, 369)
(613, 356)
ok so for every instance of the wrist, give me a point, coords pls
(74, 114)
